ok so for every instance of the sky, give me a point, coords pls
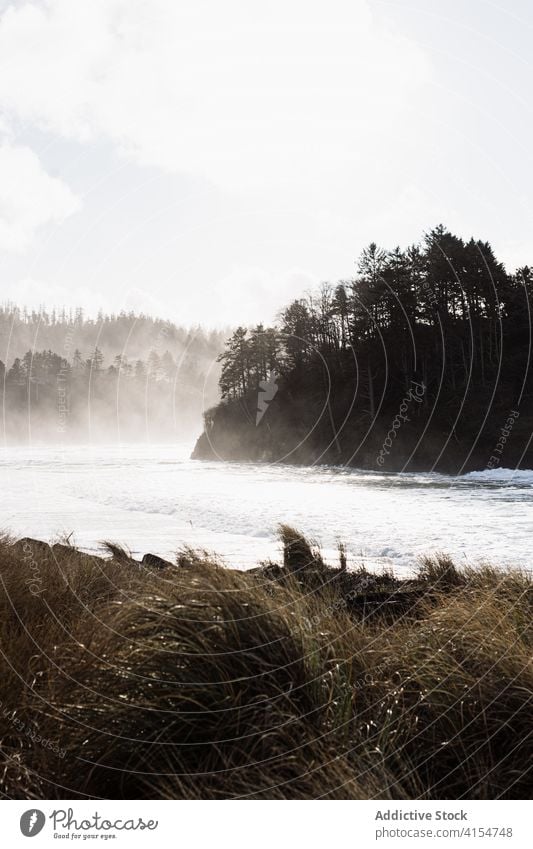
(207, 162)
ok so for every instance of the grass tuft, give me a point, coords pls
(295, 680)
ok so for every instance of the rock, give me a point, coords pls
(60, 548)
(29, 548)
(203, 450)
(155, 562)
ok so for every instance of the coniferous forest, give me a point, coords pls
(127, 375)
(421, 361)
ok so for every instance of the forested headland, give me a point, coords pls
(65, 376)
(421, 361)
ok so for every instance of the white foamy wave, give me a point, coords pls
(151, 499)
(516, 477)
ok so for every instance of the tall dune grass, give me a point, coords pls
(295, 680)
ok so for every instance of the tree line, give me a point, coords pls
(41, 370)
(129, 333)
(46, 395)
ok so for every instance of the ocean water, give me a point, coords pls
(154, 498)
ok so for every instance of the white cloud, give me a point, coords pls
(29, 197)
(282, 93)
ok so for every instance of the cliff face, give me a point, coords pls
(413, 432)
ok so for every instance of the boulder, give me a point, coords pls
(29, 548)
(153, 561)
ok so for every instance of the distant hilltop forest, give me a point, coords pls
(422, 361)
(65, 376)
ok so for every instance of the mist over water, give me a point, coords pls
(152, 497)
(67, 378)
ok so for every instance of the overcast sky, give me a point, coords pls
(207, 161)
